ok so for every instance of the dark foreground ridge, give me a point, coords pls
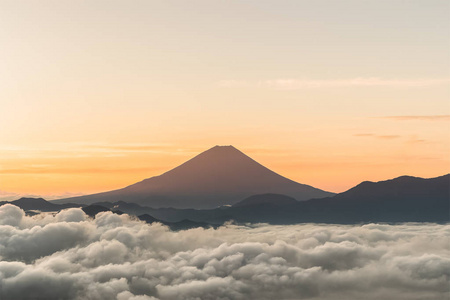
(403, 199)
(40, 204)
(222, 175)
(269, 199)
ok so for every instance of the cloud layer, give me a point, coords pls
(70, 256)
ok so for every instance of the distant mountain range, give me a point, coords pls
(403, 199)
(219, 176)
(273, 199)
(39, 204)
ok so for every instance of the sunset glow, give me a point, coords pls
(97, 95)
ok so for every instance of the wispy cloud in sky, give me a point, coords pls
(418, 118)
(10, 196)
(128, 147)
(294, 84)
(388, 137)
(94, 149)
(410, 140)
(56, 170)
(384, 137)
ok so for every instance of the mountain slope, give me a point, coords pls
(405, 189)
(270, 199)
(219, 176)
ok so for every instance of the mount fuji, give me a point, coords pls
(222, 175)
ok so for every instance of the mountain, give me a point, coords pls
(415, 190)
(147, 218)
(187, 224)
(180, 225)
(219, 176)
(92, 210)
(39, 204)
(266, 199)
(403, 199)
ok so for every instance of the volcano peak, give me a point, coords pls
(219, 176)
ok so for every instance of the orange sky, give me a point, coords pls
(97, 95)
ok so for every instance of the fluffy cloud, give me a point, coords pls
(70, 256)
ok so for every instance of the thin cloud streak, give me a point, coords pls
(295, 84)
(94, 149)
(388, 137)
(40, 170)
(418, 118)
(129, 147)
(11, 196)
(384, 137)
(411, 139)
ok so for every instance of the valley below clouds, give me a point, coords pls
(71, 256)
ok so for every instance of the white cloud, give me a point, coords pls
(71, 256)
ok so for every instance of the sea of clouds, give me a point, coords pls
(71, 256)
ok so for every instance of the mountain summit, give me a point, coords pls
(219, 176)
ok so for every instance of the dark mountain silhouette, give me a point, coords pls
(92, 210)
(180, 225)
(129, 208)
(272, 199)
(31, 205)
(149, 219)
(219, 176)
(187, 224)
(39, 204)
(411, 189)
(403, 199)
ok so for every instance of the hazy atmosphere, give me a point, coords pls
(97, 95)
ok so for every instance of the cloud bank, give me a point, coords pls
(70, 256)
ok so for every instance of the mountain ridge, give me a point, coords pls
(267, 199)
(431, 204)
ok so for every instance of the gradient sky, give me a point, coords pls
(96, 95)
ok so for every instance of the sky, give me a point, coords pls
(97, 95)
